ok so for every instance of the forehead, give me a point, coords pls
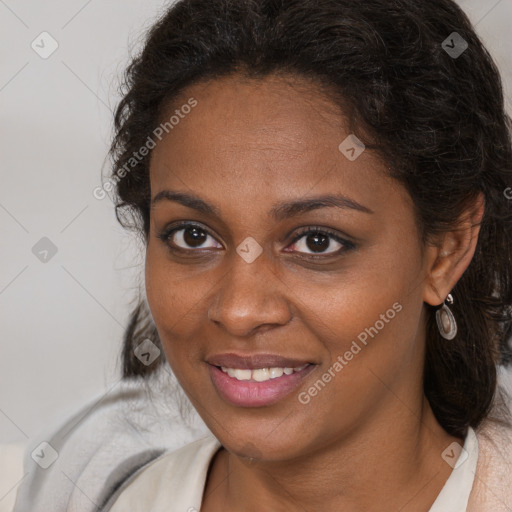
(273, 113)
(278, 134)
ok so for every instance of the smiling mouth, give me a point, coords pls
(260, 374)
(257, 386)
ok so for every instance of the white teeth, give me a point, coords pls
(242, 374)
(276, 372)
(237, 374)
(260, 374)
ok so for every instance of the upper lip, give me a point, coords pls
(252, 361)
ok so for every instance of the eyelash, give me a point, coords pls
(310, 230)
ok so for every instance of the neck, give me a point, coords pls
(397, 462)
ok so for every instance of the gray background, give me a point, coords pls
(61, 321)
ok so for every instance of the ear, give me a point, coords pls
(449, 258)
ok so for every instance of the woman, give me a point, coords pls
(321, 190)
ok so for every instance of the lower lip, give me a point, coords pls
(245, 393)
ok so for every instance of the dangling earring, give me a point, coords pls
(446, 322)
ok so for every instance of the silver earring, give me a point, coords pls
(446, 322)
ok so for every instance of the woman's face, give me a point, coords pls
(279, 248)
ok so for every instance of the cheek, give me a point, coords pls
(365, 296)
(371, 335)
(364, 329)
(175, 300)
(367, 359)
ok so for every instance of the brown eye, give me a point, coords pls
(317, 243)
(189, 237)
(320, 242)
(194, 237)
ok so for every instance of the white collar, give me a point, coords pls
(454, 495)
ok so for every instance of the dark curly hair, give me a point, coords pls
(436, 118)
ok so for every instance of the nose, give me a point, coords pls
(250, 298)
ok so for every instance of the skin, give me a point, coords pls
(369, 440)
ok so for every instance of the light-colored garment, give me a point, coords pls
(104, 443)
(492, 488)
(175, 482)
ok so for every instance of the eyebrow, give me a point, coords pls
(278, 212)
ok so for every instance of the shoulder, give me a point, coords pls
(174, 481)
(492, 489)
(95, 451)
